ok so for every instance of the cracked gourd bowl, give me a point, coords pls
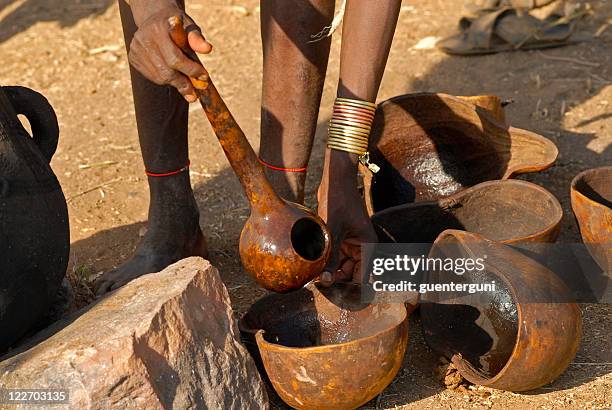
(518, 337)
(430, 146)
(325, 348)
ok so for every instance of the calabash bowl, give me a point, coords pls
(591, 193)
(327, 348)
(517, 337)
(430, 146)
(509, 211)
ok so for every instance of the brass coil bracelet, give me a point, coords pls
(349, 128)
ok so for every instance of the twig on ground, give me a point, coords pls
(102, 164)
(379, 400)
(601, 30)
(599, 78)
(106, 48)
(568, 59)
(119, 147)
(102, 185)
(563, 107)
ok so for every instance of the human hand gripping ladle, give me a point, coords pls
(283, 245)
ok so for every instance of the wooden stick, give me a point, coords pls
(568, 59)
(102, 185)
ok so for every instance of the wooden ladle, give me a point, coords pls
(283, 245)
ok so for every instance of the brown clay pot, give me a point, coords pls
(430, 146)
(591, 193)
(325, 348)
(519, 337)
(283, 245)
(510, 211)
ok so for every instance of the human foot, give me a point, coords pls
(153, 254)
(173, 234)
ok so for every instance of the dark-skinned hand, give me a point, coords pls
(154, 54)
(343, 209)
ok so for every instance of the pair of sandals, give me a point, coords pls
(493, 26)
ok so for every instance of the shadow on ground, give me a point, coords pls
(21, 14)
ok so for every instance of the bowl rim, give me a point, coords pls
(313, 349)
(258, 334)
(558, 209)
(575, 191)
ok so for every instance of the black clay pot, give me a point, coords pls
(34, 234)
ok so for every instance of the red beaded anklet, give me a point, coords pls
(265, 164)
(167, 174)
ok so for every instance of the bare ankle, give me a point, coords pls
(288, 185)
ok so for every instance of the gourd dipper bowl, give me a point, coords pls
(431, 146)
(591, 194)
(283, 245)
(508, 211)
(518, 337)
(325, 348)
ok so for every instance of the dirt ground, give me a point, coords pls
(72, 51)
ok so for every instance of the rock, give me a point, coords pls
(165, 340)
(449, 375)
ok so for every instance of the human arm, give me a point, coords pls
(368, 30)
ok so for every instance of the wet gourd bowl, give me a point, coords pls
(518, 337)
(591, 193)
(510, 211)
(431, 146)
(326, 348)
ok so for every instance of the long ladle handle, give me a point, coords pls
(239, 152)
